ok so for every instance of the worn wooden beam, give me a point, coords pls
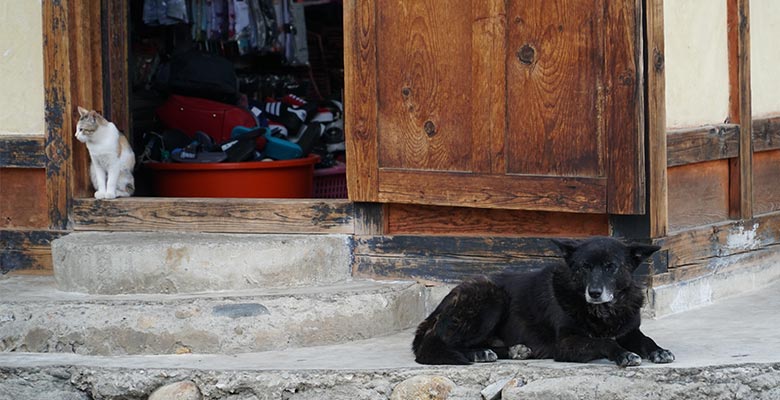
(655, 117)
(360, 99)
(114, 75)
(741, 187)
(405, 219)
(447, 258)
(701, 144)
(370, 218)
(58, 115)
(766, 134)
(766, 182)
(214, 215)
(22, 151)
(697, 252)
(27, 251)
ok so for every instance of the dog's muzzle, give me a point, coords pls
(598, 295)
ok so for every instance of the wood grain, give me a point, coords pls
(624, 108)
(488, 87)
(766, 134)
(510, 192)
(115, 72)
(655, 118)
(360, 105)
(23, 198)
(705, 143)
(425, 110)
(214, 215)
(448, 259)
(22, 151)
(741, 182)
(27, 251)
(405, 219)
(703, 249)
(698, 194)
(58, 110)
(555, 98)
(766, 182)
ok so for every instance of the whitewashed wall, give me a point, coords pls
(21, 67)
(765, 56)
(697, 90)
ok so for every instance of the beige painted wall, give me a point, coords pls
(697, 91)
(765, 56)
(21, 67)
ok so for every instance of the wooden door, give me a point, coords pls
(520, 104)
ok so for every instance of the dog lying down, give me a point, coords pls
(585, 309)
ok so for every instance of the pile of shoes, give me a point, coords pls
(316, 128)
(198, 130)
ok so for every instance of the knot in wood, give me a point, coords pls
(526, 54)
(429, 128)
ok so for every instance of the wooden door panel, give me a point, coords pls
(531, 104)
(424, 88)
(554, 70)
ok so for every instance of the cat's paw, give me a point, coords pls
(110, 195)
(100, 195)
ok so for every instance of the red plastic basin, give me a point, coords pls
(252, 179)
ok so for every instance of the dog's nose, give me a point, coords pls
(594, 293)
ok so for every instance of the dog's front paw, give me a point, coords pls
(485, 355)
(628, 359)
(661, 356)
(520, 352)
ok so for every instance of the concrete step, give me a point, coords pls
(172, 262)
(383, 368)
(36, 317)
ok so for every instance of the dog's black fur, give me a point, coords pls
(585, 309)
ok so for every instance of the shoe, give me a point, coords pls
(308, 136)
(290, 116)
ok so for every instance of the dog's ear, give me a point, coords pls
(640, 252)
(567, 246)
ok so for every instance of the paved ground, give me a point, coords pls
(740, 330)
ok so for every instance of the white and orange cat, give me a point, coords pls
(112, 157)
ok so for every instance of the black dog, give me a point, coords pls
(585, 309)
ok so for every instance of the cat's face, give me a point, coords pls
(89, 122)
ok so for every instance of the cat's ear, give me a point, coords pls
(83, 111)
(99, 118)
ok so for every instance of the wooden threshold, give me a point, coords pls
(313, 216)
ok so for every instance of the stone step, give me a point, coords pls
(378, 368)
(36, 317)
(174, 262)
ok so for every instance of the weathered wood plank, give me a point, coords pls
(405, 219)
(116, 69)
(488, 86)
(698, 194)
(655, 118)
(360, 105)
(555, 74)
(766, 134)
(22, 152)
(23, 198)
(27, 251)
(370, 218)
(741, 182)
(624, 108)
(58, 113)
(214, 215)
(701, 144)
(766, 182)
(710, 246)
(449, 258)
(508, 191)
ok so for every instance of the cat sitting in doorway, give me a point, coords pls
(111, 170)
